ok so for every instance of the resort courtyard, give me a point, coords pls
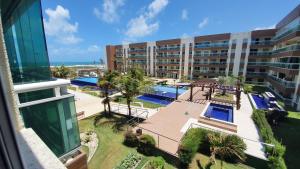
(169, 125)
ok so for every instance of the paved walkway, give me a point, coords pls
(170, 123)
(92, 105)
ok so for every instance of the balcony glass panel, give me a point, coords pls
(36, 95)
(25, 43)
(55, 123)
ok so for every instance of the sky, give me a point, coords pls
(79, 30)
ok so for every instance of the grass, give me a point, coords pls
(288, 132)
(200, 161)
(122, 100)
(110, 132)
(227, 96)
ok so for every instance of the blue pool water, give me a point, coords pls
(260, 102)
(154, 99)
(220, 112)
(85, 81)
(163, 95)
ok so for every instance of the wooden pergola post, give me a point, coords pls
(177, 92)
(191, 94)
(238, 99)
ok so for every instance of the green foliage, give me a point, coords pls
(146, 144)
(131, 84)
(130, 139)
(91, 93)
(72, 88)
(277, 152)
(62, 72)
(130, 161)
(190, 144)
(248, 88)
(156, 163)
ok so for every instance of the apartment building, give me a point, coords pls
(42, 103)
(268, 57)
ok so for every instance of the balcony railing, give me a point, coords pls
(285, 83)
(294, 47)
(292, 30)
(137, 56)
(169, 55)
(266, 53)
(209, 54)
(167, 62)
(258, 63)
(257, 73)
(210, 63)
(209, 71)
(137, 50)
(169, 48)
(211, 45)
(263, 42)
(285, 65)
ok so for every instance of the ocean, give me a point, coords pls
(74, 63)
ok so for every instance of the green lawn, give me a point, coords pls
(289, 133)
(111, 151)
(122, 100)
(227, 96)
(200, 161)
(85, 149)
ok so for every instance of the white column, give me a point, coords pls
(187, 42)
(125, 48)
(247, 56)
(151, 58)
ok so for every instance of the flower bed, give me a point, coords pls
(130, 162)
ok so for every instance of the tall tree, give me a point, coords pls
(226, 146)
(131, 84)
(106, 83)
(61, 72)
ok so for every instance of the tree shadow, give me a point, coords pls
(199, 164)
(115, 121)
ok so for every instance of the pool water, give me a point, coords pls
(259, 101)
(154, 99)
(85, 81)
(220, 112)
(163, 95)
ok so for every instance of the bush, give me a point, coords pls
(130, 161)
(72, 88)
(156, 163)
(190, 144)
(247, 88)
(146, 144)
(130, 139)
(275, 153)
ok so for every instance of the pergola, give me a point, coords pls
(212, 84)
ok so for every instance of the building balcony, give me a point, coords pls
(167, 48)
(209, 72)
(258, 63)
(169, 56)
(165, 63)
(136, 50)
(285, 65)
(283, 82)
(262, 43)
(256, 73)
(137, 56)
(212, 45)
(290, 33)
(259, 54)
(210, 55)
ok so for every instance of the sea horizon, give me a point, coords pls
(68, 63)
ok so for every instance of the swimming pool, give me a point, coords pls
(260, 101)
(163, 95)
(220, 112)
(85, 81)
(154, 99)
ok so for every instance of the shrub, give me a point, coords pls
(130, 161)
(72, 88)
(130, 139)
(190, 144)
(275, 153)
(247, 88)
(156, 163)
(146, 144)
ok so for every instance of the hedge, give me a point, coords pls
(146, 144)
(156, 163)
(276, 153)
(190, 144)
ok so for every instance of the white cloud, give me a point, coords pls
(267, 27)
(143, 25)
(109, 11)
(93, 48)
(138, 27)
(184, 14)
(203, 23)
(185, 35)
(58, 25)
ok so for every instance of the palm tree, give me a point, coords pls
(226, 146)
(61, 72)
(106, 83)
(131, 84)
(223, 81)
